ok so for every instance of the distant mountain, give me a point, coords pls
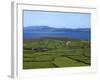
(52, 29)
(39, 32)
(38, 28)
(83, 29)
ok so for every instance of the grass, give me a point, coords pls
(52, 53)
(66, 62)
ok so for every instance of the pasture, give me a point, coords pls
(55, 53)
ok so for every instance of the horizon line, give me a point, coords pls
(55, 27)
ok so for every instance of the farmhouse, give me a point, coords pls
(39, 49)
(68, 43)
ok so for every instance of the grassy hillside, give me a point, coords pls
(51, 53)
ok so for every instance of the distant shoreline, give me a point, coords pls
(43, 38)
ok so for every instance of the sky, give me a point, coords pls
(56, 19)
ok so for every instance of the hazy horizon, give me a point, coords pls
(57, 27)
(56, 19)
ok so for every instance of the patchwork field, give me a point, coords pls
(54, 53)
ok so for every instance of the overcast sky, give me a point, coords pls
(57, 19)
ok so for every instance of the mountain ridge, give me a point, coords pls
(48, 28)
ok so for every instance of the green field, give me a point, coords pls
(53, 53)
